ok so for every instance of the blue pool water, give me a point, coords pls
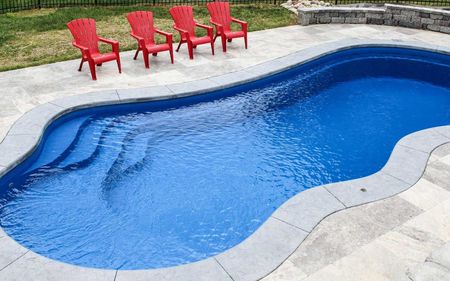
(166, 183)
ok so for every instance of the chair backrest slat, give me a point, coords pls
(220, 13)
(183, 16)
(142, 25)
(84, 33)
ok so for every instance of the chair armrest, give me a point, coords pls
(207, 27)
(218, 26)
(113, 43)
(238, 21)
(214, 23)
(163, 32)
(76, 45)
(203, 25)
(108, 41)
(140, 39)
(243, 24)
(84, 50)
(168, 35)
(182, 31)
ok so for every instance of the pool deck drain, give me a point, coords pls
(404, 237)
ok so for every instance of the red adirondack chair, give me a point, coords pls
(183, 16)
(221, 19)
(143, 30)
(86, 39)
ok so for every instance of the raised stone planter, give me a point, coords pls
(389, 14)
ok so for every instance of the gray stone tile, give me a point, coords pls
(268, 68)
(436, 221)
(234, 78)
(10, 250)
(423, 237)
(15, 148)
(439, 174)
(391, 212)
(87, 100)
(35, 121)
(287, 271)
(194, 87)
(429, 271)
(443, 130)
(425, 195)
(144, 94)
(308, 208)
(406, 249)
(204, 270)
(312, 53)
(441, 256)
(15, 100)
(406, 164)
(442, 151)
(424, 140)
(34, 267)
(3, 171)
(262, 252)
(346, 231)
(364, 190)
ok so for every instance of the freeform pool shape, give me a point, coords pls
(165, 183)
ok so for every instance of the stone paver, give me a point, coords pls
(204, 270)
(37, 268)
(405, 237)
(273, 239)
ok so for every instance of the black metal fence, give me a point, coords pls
(17, 5)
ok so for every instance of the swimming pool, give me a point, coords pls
(164, 183)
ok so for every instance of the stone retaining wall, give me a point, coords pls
(389, 14)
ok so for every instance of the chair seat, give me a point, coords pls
(155, 48)
(234, 34)
(200, 40)
(101, 58)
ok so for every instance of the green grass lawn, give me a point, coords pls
(37, 37)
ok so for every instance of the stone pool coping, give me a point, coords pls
(286, 228)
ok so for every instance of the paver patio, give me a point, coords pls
(405, 237)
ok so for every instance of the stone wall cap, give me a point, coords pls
(374, 9)
(342, 9)
(420, 9)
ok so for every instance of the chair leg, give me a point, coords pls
(215, 37)
(224, 44)
(100, 64)
(136, 54)
(92, 68)
(171, 55)
(146, 60)
(229, 40)
(191, 50)
(119, 65)
(81, 64)
(245, 40)
(154, 54)
(212, 47)
(179, 45)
